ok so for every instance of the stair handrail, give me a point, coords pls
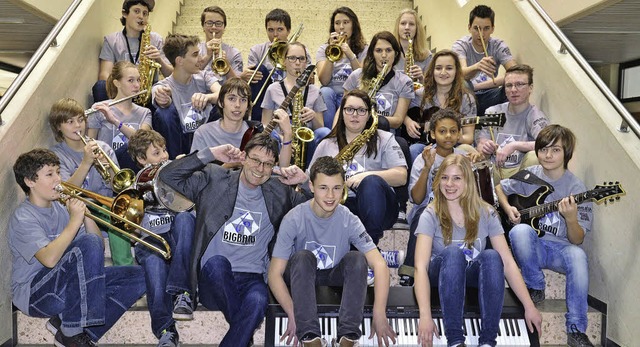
(49, 41)
(567, 47)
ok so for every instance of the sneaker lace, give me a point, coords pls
(167, 338)
(579, 336)
(184, 299)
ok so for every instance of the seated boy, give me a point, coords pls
(564, 229)
(165, 279)
(186, 98)
(58, 259)
(313, 248)
(214, 22)
(125, 44)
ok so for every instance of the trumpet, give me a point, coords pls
(122, 178)
(219, 65)
(334, 51)
(126, 212)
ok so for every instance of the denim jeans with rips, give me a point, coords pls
(166, 278)
(534, 254)
(452, 274)
(350, 274)
(82, 291)
(242, 297)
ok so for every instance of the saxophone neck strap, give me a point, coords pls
(304, 95)
(134, 60)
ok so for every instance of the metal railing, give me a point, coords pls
(49, 41)
(567, 47)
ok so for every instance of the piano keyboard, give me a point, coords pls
(512, 331)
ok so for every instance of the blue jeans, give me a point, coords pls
(84, 293)
(350, 274)
(318, 135)
(415, 150)
(242, 297)
(332, 100)
(376, 206)
(452, 273)
(99, 91)
(489, 97)
(534, 254)
(166, 121)
(166, 278)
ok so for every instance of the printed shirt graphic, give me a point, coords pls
(241, 230)
(388, 96)
(325, 254)
(193, 118)
(157, 222)
(502, 140)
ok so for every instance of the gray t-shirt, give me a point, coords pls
(468, 107)
(274, 97)
(489, 225)
(233, 57)
(553, 223)
(423, 64)
(30, 229)
(109, 133)
(157, 221)
(329, 239)
(70, 161)
(389, 155)
(523, 126)
(114, 47)
(341, 68)
(245, 237)
(387, 97)
(212, 134)
(181, 95)
(496, 48)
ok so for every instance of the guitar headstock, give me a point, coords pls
(303, 79)
(492, 120)
(607, 192)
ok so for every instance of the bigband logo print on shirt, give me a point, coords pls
(325, 254)
(384, 102)
(550, 223)
(241, 231)
(469, 253)
(505, 139)
(342, 74)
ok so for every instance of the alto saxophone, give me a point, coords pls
(146, 67)
(376, 82)
(301, 134)
(409, 62)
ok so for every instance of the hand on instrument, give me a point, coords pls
(415, 72)
(354, 181)
(290, 175)
(163, 96)
(380, 327)
(199, 101)
(475, 157)
(568, 208)
(227, 153)
(513, 214)
(488, 147)
(487, 65)
(307, 115)
(76, 209)
(103, 107)
(246, 75)
(426, 329)
(534, 319)
(429, 157)
(290, 333)
(282, 118)
(503, 153)
(214, 45)
(152, 52)
(90, 152)
(413, 128)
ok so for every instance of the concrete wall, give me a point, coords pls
(564, 92)
(68, 70)
(53, 8)
(567, 11)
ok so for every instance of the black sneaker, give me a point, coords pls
(578, 339)
(406, 281)
(537, 295)
(183, 307)
(80, 340)
(169, 338)
(53, 325)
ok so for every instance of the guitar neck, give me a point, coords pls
(284, 106)
(541, 210)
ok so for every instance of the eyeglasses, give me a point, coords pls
(362, 111)
(217, 24)
(292, 59)
(518, 85)
(265, 164)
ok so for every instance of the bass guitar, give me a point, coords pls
(533, 207)
(301, 82)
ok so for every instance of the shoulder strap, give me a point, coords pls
(527, 176)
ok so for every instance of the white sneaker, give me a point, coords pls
(344, 342)
(393, 258)
(316, 342)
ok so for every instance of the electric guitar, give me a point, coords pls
(301, 82)
(533, 207)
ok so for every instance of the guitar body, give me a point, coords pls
(521, 202)
(251, 132)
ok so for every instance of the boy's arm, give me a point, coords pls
(568, 208)
(105, 69)
(50, 254)
(512, 212)
(279, 287)
(380, 325)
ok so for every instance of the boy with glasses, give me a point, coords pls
(238, 216)
(214, 22)
(511, 146)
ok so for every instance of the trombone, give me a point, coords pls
(122, 178)
(127, 210)
(276, 54)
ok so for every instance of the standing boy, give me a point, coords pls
(313, 248)
(480, 70)
(166, 279)
(564, 229)
(58, 259)
(186, 98)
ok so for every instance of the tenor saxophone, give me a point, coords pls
(146, 67)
